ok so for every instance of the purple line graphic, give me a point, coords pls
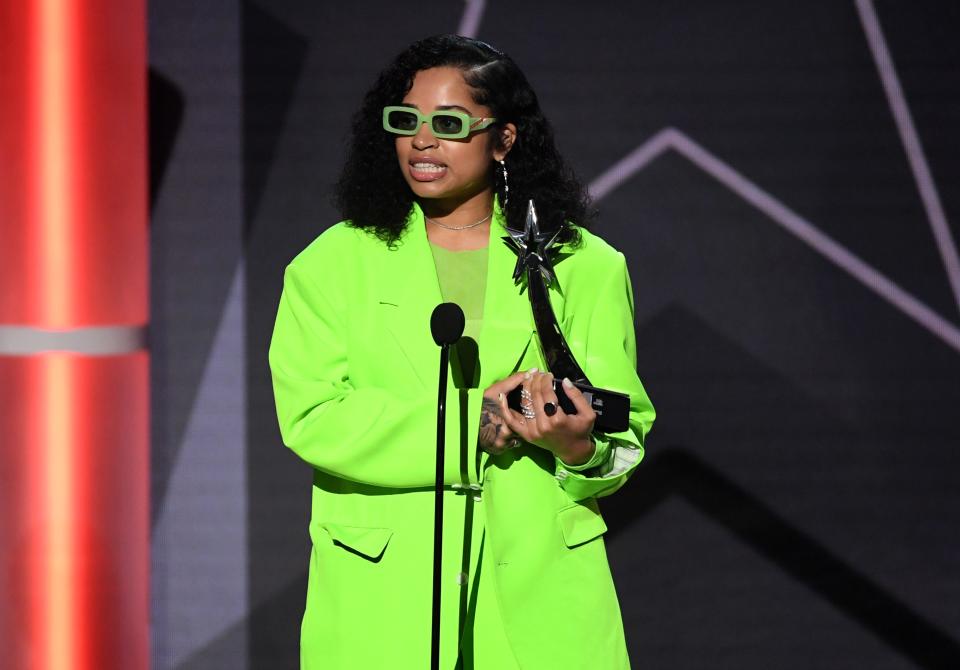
(911, 143)
(670, 138)
(470, 21)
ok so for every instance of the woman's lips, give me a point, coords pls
(427, 171)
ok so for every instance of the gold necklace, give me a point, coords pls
(443, 225)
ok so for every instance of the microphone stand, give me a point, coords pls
(446, 326)
(438, 507)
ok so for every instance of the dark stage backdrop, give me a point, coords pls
(782, 177)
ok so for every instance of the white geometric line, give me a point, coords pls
(632, 163)
(670, 138)
(92, 341)
(470, 21)
(911, 143)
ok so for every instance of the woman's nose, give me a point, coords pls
(424, 137)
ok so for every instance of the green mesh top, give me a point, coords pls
(463, 280)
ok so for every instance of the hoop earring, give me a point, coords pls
(506, 185)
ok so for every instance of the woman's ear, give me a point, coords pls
(505, 140)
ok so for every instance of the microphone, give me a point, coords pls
(446, 326)
(447, 323)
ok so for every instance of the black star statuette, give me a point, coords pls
(532, 248)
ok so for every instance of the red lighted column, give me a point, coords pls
(74, 447)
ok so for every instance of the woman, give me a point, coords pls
(447, 148)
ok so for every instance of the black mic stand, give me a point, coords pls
(446, 326)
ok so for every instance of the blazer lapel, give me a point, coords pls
(409, 292)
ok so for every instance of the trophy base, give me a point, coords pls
(612, 408)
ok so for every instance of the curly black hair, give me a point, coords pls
(371, 192)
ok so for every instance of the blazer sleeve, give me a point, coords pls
(611, 362)
(369, 435)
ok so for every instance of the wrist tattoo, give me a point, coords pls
(490, 421)
(489, 406)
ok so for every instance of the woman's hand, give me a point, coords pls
(566, 435)
(495, 437)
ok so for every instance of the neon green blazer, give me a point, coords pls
(355, 377)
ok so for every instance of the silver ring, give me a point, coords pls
(526, 403)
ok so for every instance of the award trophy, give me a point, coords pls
(533, 261)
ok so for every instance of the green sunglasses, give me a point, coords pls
(448, 124)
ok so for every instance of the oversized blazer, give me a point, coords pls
(355, 379)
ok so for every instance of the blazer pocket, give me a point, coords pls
(579, 523)
(367, 542)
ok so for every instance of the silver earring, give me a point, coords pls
(506, 186)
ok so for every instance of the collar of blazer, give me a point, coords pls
(410, 292)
